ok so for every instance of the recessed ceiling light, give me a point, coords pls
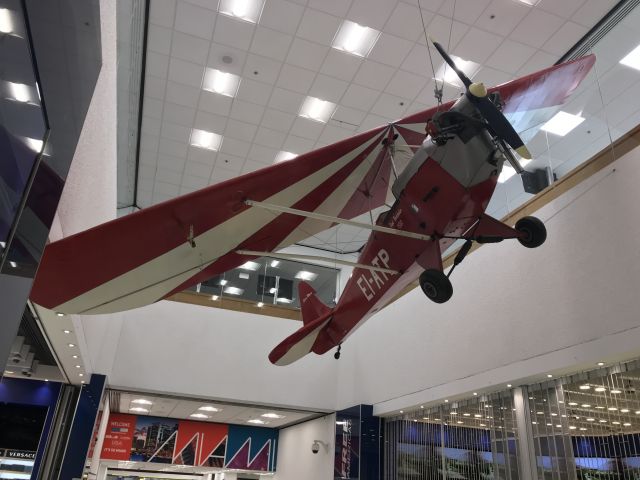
(67, 331)
(317, 109)
(616, 423)
(562, 123)
(446, 73)
(554, 414)
(214, 297)
(83, 382)
(401, 411)
(612, 409)
(559, 426)
(234, 290)
(13, 264)
(81, 374)
(139, 409)
(586, 405)
(19, 92)
(205, 140)
(453, 413)
(459, 422)
(466, 414)
(583, 429)
(274, 263)
(600, 364)
(539, 413)
(477, 415)
(549, 375)
(283, 156)
(223, 282)
(253, 266)
(220, 82)
(637, 412)
(209, 408)
(509, 385)
(599, 407)
(602, 421)
(6, 24)
(74, 356)
(573, 404)
(244, 276)
(310, 277)
(61, 315)
(260, 304)
(506, 173)
(571, 427)
(272, 415)
(632, 59)
(626, 424)
(71, 345)
(199, 415)
(446, 400)
(624, 410)
(142, 401)
(616, 391)
(355, 39)
(9, 372)
(584, 387)
(600, 389)
(591, 419)
(284, 300)
(247, 10)
(475, 393)
(77, 366)
(256, 421)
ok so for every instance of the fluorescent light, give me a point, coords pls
(446, 73)
(139, 409)
(74, 356)
(12, 264)
(206, 140)
(209, 408)
(616, 391)
(612, 409)
(223, 282)
(466, 414)
(220, 82)
(6, 24)
(81, 374)
(256, 421)
(275, 263)
(600, 364)
(78, 366)
(626, 424)
(283, 156)
(453, 413)
(307, 276)
(250, 266)
(571, 427)
(247, 10)
(562, 123)
(602, 421)
(624, 410)
(71, 345)
(591, 419)
(233, 290)
(271, 415)
(573, 404)
(19, 92)
(9, 372)
(599, 407)
(616, 423)
(34, 144)
(549, 375)
(600, 389)
(243, 276)
(284, 300)
(142, 401)
(586, 405)
(531, 3)
(317, 109)
(509, 385)
(355, 39)
(584, 387)
(632, 59)
(199, 415)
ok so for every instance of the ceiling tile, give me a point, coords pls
(229, 162)
(389, 106)
(298, 145)
(155, 87)
(506, 15)
(564, 9)
(210, 122)
(536, 28)
(217, 52)
(215, 103)
(591, 11)
(261, 154)
(341, 65)
(159, 39)
(418, 60)
(286, 100)
(510, 56)
(441, 30)
(564, 38)
(231, 146)
(307, 54)
(253, 91)
(271, 43)
(188, 47)
(431, 5)
(251, 166)
(405, 22)
(372, 121)
(157, 65)
(390, 50)
(405, 84)
(371, 13)
(305, 128)
(201, 156)
(162, 13)
(234, 33)
(194, 20)
(188, 73)
(220, 175)
(538, 61)
(168, 176)
(337, 8)
(269, 138)
(240, 130)
(172, 147)
(318, 27)
(332, 134)
(179, 114)
(374, 75)
(282, 15)
(152, 107)
(164, 191)
(182, 94)
(176, 132)
(349, 116)
(151, 125)
(277, 120)
(477, 45)
(295, 78)
(196, 181)
(361, 98)
(466, 11)
(491, 77)
(246, 111)
(267, 69)
(328, 88)
(169, 162)
(149, 158)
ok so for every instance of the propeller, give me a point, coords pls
(477, 93)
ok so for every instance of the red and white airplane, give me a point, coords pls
(458, 149)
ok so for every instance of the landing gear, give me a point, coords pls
(337, 354)
(534, 231)
(436, 285)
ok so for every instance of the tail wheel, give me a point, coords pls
(436, 285)
(534, 232)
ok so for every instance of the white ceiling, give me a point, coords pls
(288, 55)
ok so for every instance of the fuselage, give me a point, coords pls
(442, 192)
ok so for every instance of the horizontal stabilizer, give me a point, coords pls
(298, 344)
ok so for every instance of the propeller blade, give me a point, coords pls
(463, 77)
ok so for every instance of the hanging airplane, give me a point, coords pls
(458, 148)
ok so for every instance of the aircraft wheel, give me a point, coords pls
(535, 233)
(436, 285)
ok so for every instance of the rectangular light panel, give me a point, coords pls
(307, 276)
(446, 72)
(19, 92)
(220, 82)
(317, 109)
(531, 3)
(283, 156)
(206, 140)
(632, 59)
(247, 10)
(233, 290)
(562, 123)
(6, 24)
(355, 39)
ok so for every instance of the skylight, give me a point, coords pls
(247, 10)
(317, 109)
(355, 39)
(562, 123)
(220, 82)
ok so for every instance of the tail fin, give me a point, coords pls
(310, 305)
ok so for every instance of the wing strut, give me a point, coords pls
(328, 218)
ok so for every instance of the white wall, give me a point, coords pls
(295, 459)
(516, 313)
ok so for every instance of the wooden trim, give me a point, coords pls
(601, 160)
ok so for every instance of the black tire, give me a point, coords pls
(436, 286)
(336, 355)
(535, 233)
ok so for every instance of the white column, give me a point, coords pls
(526, 450)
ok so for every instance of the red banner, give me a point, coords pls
(118, 437)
